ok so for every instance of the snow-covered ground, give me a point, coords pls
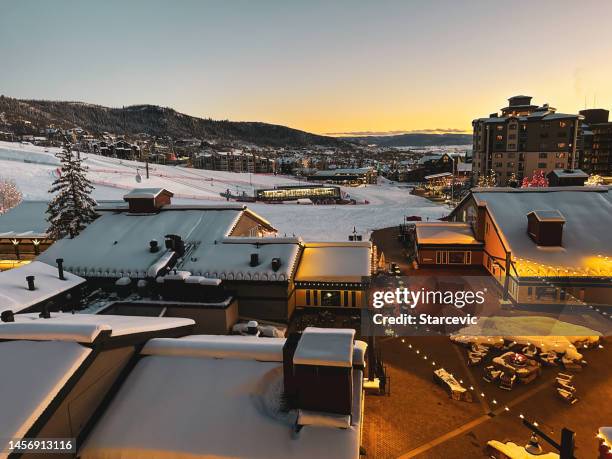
(33, 170)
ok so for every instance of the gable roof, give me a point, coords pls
(117, 243)
(28, 219)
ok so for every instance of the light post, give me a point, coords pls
(566, 448)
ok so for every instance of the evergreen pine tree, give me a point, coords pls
(72, 208)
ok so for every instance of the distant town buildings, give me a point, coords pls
(523, 139)
(346, 176)
(234, 161)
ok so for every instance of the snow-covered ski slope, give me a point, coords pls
(33, 170)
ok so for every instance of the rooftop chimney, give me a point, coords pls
(319, 376)
(254, 259)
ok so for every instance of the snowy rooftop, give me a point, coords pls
(146, 193)
(570, 173)
(14, 293)
(440, 175)
(226, 404)
(444, 233)
(28, 219)
(347, 171)
(335, 262)
(83, 328)
(117, 243)
(230, 259)
(326, 347)
(586, 233)
(33, 374)
(548, 215)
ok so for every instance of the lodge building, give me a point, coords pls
(525, 138)
(148, 241)
(541, 245)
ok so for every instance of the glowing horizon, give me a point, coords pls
(329, 68)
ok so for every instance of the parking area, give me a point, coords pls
(418, 419)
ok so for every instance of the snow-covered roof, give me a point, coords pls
(219, 347)
(33, 373)
(226, 404)
(586, 232)
(117, 243)
(146, 193)
(569, 173)
(464, 167)
(28, 219)
(440, 175)
(326, 347)
(230, 259)
(548, 215)
(83, 328)
(444, 233)
(14, 293)
(344, 171)
(335, 262)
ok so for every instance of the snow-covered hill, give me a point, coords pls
(33, 169)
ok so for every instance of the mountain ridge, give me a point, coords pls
(154, 120)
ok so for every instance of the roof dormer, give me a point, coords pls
(545, 227)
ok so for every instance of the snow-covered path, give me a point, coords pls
(33, 169)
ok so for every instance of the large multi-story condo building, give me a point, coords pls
(596, 149)
(234, 162)
(523, 139)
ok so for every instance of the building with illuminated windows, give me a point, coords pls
(523, 139)
(316, 193)
(542, 245)
(23, 234)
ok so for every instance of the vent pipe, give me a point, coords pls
(252, 327)
(30, 281)
(60, 268)
(45, 314)
(276, 263)
(153, 246)
(254, 259)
